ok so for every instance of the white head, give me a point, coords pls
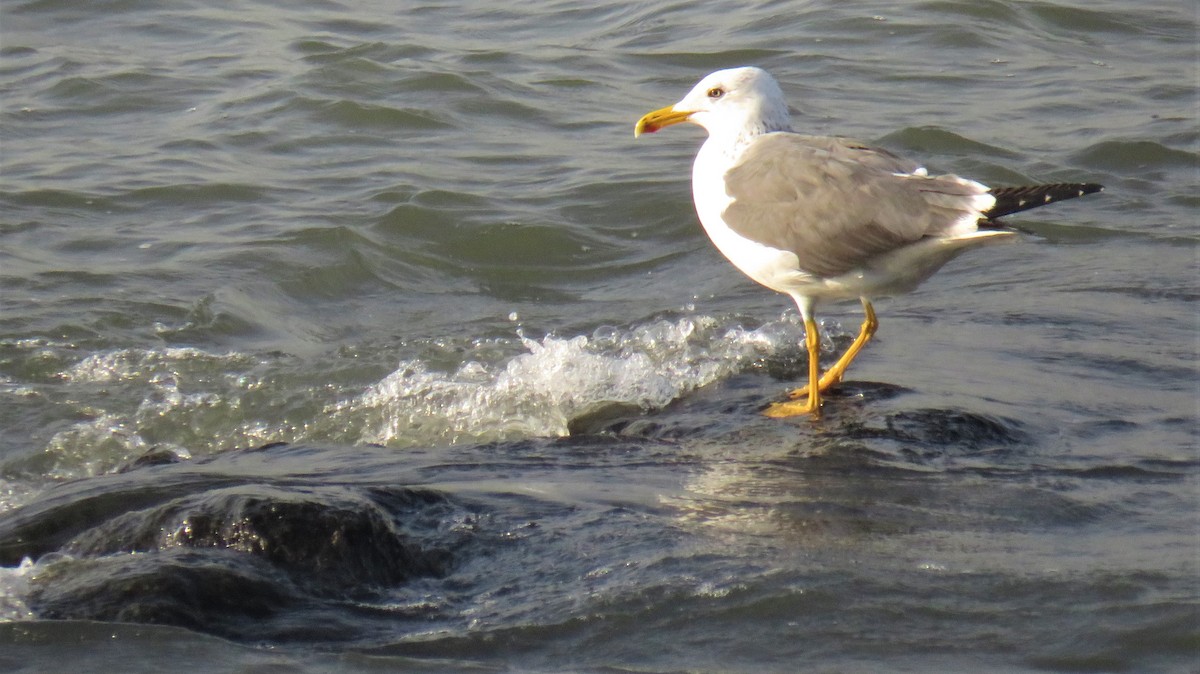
(737, 102)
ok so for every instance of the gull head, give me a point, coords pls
(736, 102)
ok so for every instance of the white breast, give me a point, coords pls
(776, 269)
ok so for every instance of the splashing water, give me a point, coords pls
(538, 392)
(195, 403)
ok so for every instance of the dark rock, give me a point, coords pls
(153, 457)
(328, 539)
(229, 545)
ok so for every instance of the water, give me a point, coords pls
(519, 389)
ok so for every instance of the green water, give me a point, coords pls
(429, 226)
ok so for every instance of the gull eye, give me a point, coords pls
(715, 93)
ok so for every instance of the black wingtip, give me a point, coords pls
(1015, 199)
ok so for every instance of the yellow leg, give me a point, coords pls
(812, 405)
(835, 374)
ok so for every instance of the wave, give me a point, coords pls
(444, 390)
(539, 392)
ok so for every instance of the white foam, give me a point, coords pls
(14, 587)
(131, 400)
(122, 403)
(538, 392)
(92, 447)
(128, 364)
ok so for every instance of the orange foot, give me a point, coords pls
(794, 408)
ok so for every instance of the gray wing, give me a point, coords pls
(837, 203)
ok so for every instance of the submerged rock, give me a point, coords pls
(201, 546)
(327, 537)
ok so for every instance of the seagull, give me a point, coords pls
(827, 218)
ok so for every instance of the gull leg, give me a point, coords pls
(835, 374)
(812, 405)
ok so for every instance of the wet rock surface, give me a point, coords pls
(199, 545)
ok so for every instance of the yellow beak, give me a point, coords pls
(653, 121)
